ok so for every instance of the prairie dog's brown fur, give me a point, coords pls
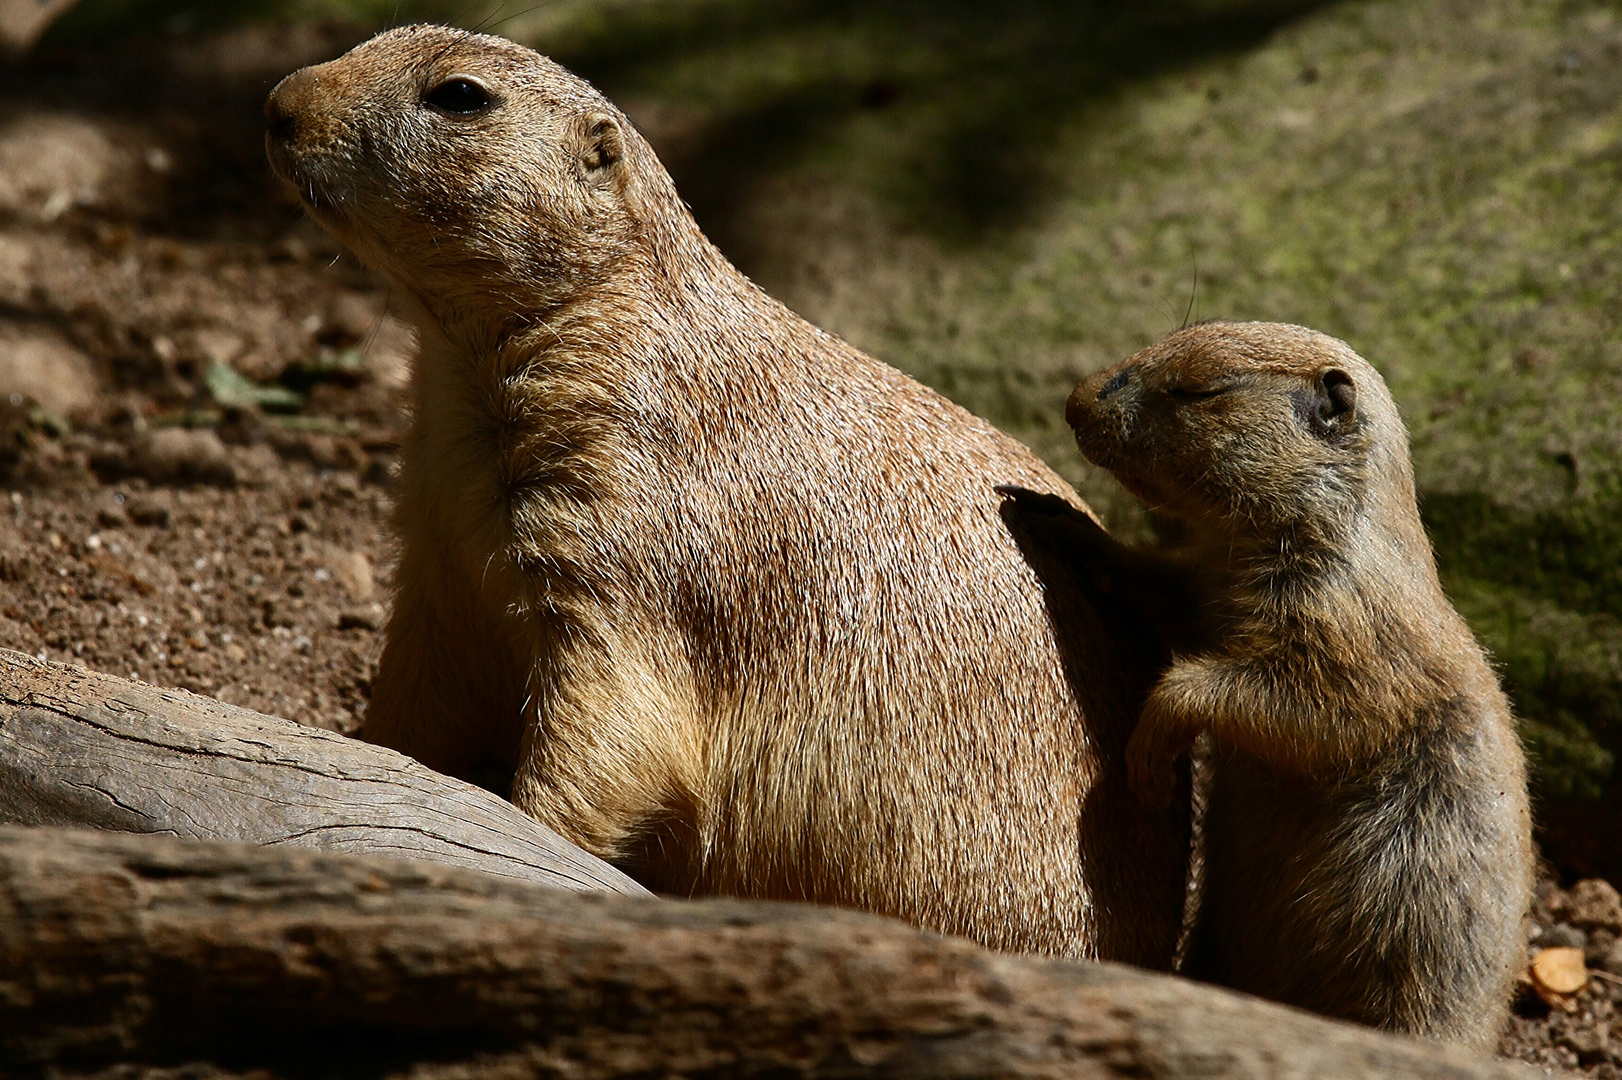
(733, 601)
(1367, 838)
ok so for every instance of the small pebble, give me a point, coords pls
(1562, 936)
(368, 617)
(182, 454)
(1598, 947)
(1589, 1041)
(1594, 904)
(1611, 963)
(148, 510)
(353, 570)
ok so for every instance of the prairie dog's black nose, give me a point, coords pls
(1093, 389)
(293, 98)
(1074, 405)
(1121, 379)
(283, 125)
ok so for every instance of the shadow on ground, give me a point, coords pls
(978, 90)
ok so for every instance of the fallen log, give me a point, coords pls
(146, 956)
(79, 748)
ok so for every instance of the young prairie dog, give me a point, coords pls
(1367, 837)
(731, 602)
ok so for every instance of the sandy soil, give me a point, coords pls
(200, 396)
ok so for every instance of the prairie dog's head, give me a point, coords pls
(467, 168)
(1257, 427)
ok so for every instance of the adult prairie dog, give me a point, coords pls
(731, 602)
(1367, 839)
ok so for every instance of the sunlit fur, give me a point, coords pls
(1367, 838)
(732, 600)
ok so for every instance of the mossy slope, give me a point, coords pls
(1001, 198)
(1436, 181)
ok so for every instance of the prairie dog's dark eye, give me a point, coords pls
(459, 97)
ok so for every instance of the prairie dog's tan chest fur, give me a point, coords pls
(732, 602)
(1367, 837)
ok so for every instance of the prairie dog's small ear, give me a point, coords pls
(1336, 404)
(602, 143)
(1329, 406)
(1339, 395)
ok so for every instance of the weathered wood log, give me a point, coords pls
(83, 749)
(149, 951)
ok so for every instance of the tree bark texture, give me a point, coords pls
(79, 748)
(142, 957)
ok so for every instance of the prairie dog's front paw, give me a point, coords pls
(1052, 520)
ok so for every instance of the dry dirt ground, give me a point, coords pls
(199, 398)
(1579, 1031)
(200, 403)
